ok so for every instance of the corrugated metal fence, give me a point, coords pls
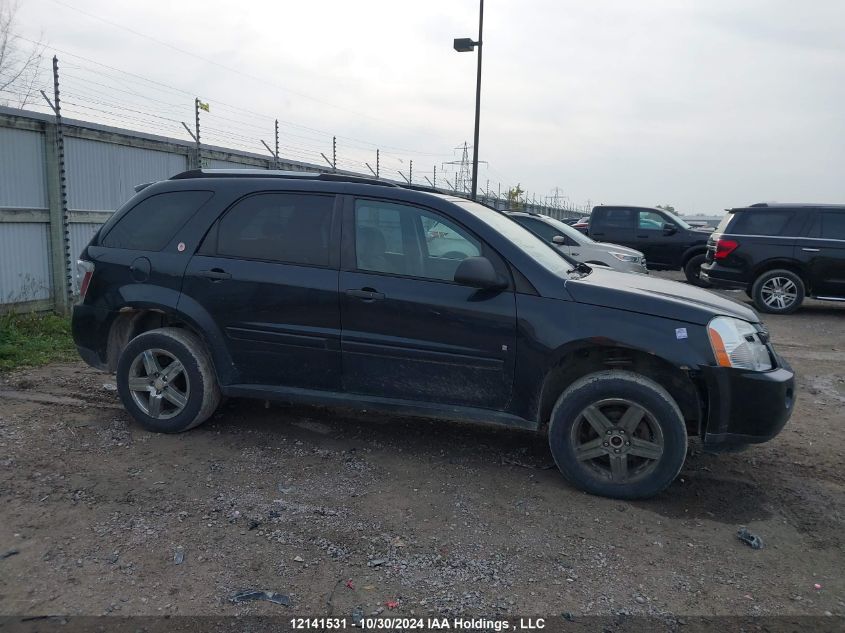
(103, 165)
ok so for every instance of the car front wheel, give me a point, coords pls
(618, 434)
(166, 380)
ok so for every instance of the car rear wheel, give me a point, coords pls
(166, 380)
(618, 434)
(778, 292)
(692, 271)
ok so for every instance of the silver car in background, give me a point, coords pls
(580, 247)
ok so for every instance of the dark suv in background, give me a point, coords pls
(332, 290)
(667, 241)
(779, 254)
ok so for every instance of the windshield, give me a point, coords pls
(544, 254)
(677, 220)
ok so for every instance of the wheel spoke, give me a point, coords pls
(175, 397)
(590, 450)
(154, 409)
(631, 419)
(619, 467)
(597, 420)
(136, 383)
(171, 371)
(644, 448)
(151, 363)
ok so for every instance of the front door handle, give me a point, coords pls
(810, 250)
(575, 254)
(215, 274)
(643, 236)
(368, 295)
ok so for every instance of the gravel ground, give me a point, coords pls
(339, 510)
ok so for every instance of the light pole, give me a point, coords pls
(466, 45)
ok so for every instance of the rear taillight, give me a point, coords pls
(84, 272)
(724, 248)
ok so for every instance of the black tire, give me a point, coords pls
(692, 271)
(765, 286)
(615, 392)
(194, 386)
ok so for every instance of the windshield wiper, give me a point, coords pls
(581, 268)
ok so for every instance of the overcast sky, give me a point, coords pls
(702, 105)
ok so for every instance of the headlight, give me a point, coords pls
(737, 343)
(623, 257)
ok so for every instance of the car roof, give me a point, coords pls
(626, 206)
(761, 206)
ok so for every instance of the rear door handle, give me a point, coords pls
(810, 250)
(215, 274)
(643, 236)
(367, 295)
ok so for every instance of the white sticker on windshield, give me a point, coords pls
(680, 332)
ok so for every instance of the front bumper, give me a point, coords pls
(747, 407)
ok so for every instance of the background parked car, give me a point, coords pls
(667, 241)
(779, 254)
(583, 224)
(580, 247)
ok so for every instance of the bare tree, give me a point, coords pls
(20, 61)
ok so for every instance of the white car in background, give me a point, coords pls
(578, 246)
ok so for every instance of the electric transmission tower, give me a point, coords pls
(463, 175)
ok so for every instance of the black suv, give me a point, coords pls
(780, 253)
(320, 289)
(667, 242)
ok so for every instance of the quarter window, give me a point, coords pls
(278, 227)
(152, 223)
(761, 222)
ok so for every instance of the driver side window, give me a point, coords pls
(650, 220)
(403, 240)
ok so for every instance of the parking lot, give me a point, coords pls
(339, 510)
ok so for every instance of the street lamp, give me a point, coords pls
(466, 45)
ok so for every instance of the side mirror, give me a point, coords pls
(478, 272)
(669, 229)
(559, 239)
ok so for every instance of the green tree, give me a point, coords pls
(515, 197)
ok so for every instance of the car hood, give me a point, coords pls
(618, 248)
(648, 294)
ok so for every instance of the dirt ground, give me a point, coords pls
(96, 514)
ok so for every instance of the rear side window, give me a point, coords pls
(769, 222)
(828, 225)
(617, 218)
(152, 223)
(278, 227)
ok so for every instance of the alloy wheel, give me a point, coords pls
(617, 440)
(779, 292)
(159, 384)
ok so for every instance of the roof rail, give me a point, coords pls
(277, 173)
